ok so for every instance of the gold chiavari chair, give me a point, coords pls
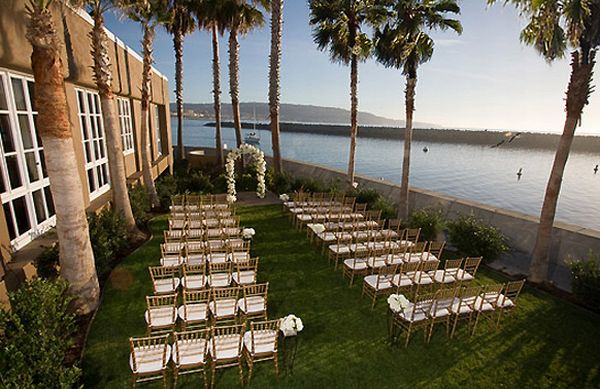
(148, 358)
(415, 316)
(171, 254)
(253, 303)
(190, 352)
(226, 349)
(486, 303)
(507, 301)
(194, 276)
(469, 269)
(161, 312)
(165, 280)
(379, 284)
(224, 304)
(261, 344)
(219, 274)
(463, 308)
(245, 271)
(194, 310)
(441, 309)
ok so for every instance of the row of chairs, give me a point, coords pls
(206, 307)
(451, 305)
(210, 274)
(201, 252)
(203, 223)
(193, 202)
(196, 350)
(306, 199)
(414, 277)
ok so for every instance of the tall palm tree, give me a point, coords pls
(103, 77)
(180, 23)
(403, 43)
(274, 78)
(212, 16)
(54, 128)
(148, 13)
(338, 26)
(554, 27)
(244, 16)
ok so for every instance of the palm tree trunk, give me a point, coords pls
(54, 128)
(116, 164)
(146, 74)
(234, 83)
(217, 95)
(411, 83)
(178, 46)
(577, 95)
(353, 115)
(274, 70)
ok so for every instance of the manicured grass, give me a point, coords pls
(546, 343)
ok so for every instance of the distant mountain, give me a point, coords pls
(295, 113)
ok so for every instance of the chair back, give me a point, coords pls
(436, 248)
(229, 293)
(360, 208)
(451, 266)
(219, 267)
(471, 265)
(161, 301)
(199, 338)
(264, 327)
(163, 273)
(412, 234)
(409, 267)
(221, 332)
(197, 296)
(139, 345)
(467, 296)
(250, 264)
(373, 215)
(491, 293)
(422, 305)
(177, 224)
(173, 236)
(385, 273)
(444, 298)
(512, 290)
(196, 234)
(394, 225)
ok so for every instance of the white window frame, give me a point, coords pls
(124, 109)
(93, 140)
(27, 188)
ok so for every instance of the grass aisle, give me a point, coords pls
(547, 343)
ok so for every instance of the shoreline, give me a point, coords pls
(526, 140)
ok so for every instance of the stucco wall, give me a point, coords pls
(519, 229)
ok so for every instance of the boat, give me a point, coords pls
(252, 138)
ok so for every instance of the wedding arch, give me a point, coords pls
(261, 167)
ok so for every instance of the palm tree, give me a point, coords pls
(243, 17)
(180, 23)
(54, 128)
(554, 26)
(211, 16)
(338, 25)
(403, 43)
(274, 78)
(103, 77)
(148, 13)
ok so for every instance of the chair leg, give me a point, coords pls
(175, 376)
(454, 326)
(134, 382)
(164, 379)
(205, 378)
(250, 365)
(241, 374)
(212, 376)
(276, 362)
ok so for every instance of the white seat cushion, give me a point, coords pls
(376, 262)
(166, 285)
(327, 236)
(161, 317)
(389, 233)
(384, 282)
(218, 257)
(225, 347)
(394, 259)
(191, 352)
(462, 275)
(170, 261)
(463, 308)
(195, 259)
(194, 281)
(442, 277)
(505, 302)
(401, 280)
(252, 304)
(224, 308)
(357, 247)
(150, 359)
(407, 314)
(219, 280)
(356, 264)
(264, 342)
(196, 312)
(245, 277)
(340, 249)
(422, 278)
(237, 256)
(482, 305)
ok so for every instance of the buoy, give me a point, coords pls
(425, 149)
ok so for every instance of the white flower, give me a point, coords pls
(283, 197)
(355, 184)
(231, 198)
(398, 303)
(248, 233)
(290, 325)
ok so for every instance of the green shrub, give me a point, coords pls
(246, 182)
(47, 262)
(35, 336)
(140, 204)
(220, 184)
(429, 220)
(278, 183)
(388, 211)
(311, 185)
(585, 281)
(166, 186)
(195, 181)
(472, 237)
(364, 195)
(108, 235)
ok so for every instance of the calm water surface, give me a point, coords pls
(472, 172)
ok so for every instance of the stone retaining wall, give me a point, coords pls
(518, 228)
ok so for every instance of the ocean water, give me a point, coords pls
(473, 172)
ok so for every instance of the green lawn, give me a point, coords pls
(546, 343)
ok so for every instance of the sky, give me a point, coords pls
(485, 78)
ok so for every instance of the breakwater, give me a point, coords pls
(525, 140)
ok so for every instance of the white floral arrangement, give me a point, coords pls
(261, 168)
(248, 233)
(398, 302)
(290, 325)
(355, 184)
(284, 197)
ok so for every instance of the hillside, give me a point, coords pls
(296, 113)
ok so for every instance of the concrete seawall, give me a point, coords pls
(568, 241)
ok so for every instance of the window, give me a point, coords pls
(24, 183)
(158, 130)
(126, 126)
(94, 143)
